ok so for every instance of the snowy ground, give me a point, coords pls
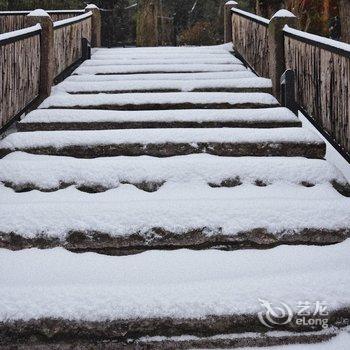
(182, 283)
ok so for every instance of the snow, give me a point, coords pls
(283, 13)
(177, 207)
(48, 172)
(231, 98)
(182, 284)
(164, 76)
(216, 49)
(59, 139)
(71, 20)
(340, 342)
(280, 114)
(161, 61)
(66, 11)
(38, 13)
(151, 85)
(251, 15)
(137, 57)
(253, 335)
(319, 39)
(141, 68)
(153, 61)
(91, 7)
(16, 33)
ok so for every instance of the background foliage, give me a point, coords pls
(197, 17)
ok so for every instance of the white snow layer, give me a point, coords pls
(181, 284)
(140, 68)
(280, 114)
(176, 207)
(60, 139)
(216, 49)
(340, 338)
(106, 61)
(189, 85)
(49, 171)
(232, 98)
(283, 13)
(135, 57)
(38, 13)
(163, 76)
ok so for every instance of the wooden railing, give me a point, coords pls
(250, 35)
(20, 71)
(15, 20)
(31, 58)
(68, 35)
(322, 69)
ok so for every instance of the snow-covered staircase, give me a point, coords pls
(160, 149)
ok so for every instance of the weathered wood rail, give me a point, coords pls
(322, 81)
(15, 20)
(321, 67)
(68, 35)
(31, 58)
(250, 35)
(20, 71)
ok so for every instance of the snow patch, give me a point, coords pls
(60, 284)
(38, 13)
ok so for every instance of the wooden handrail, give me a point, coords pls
(69, 21)
(17, 35)
(331, 45)
(24, 13)
(255, 18)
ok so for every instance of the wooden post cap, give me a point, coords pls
(95, 24)
(228, 20)
(47, 61)
(276, 45)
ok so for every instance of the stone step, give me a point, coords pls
(163, 76)
(158, 68)
(180, 298)
(160, 60)
(25, 172)
(127, 220)
(163, 101)
(75, 119)
(237, 85)
(168, 142)
(166, 56)
(166, 50)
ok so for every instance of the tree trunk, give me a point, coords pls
(147, 23)
(344, 13)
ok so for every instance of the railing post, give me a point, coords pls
(228, 20)
(288, 91)
(47, 61)
(95, 25)
(277, 64)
